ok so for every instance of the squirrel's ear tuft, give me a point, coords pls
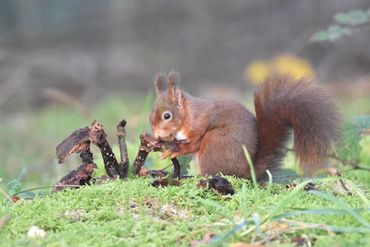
(160, 83)
(173, 79)
(179, 99)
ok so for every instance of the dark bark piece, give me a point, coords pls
(309, 186)
(80, 140)
(202, 184)
(110, 161)
(152, 173)
(163, 182)
(97, 133)
(139, 161)
(77, 142)
(220, 185)
(86, 156)
(150, 144)
(121, 135)
(157, 173)
(176, 168)
(78, 177)
(99, 138)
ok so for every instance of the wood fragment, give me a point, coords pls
(220, 185)
(157, 173)
(79, 176)
(121, 135)
(176, 168)
(80, 140)
(99, 138)
(217, 184)
(77, 142)
(150, 144)
(163, 182)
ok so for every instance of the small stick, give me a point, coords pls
(80, 140)
(81, 175)
(140, 160)
(176, 168)
(121, 135)
(99, 138)
(110, 162)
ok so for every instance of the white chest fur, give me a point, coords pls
(180, 135)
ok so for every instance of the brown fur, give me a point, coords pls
(283, 104)
(217, 130)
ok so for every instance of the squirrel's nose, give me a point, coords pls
(163, 135)
(158, 134)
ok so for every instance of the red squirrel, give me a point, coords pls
(216, 130)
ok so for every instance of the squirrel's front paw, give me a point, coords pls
(168, 154)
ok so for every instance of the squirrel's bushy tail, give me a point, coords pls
(284, 104)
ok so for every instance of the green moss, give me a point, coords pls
(133, 213)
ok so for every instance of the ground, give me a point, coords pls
(134, 213)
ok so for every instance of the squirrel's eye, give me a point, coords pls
(166, 115)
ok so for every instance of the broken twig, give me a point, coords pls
(121, 135)
(77, 142)
(150, 144)
(217, 184)
(99, 138)
(81, 175)
(80, 140)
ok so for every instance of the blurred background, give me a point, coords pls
(66, 63)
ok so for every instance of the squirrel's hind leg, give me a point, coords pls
(220, 153)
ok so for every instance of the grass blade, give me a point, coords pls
(251, 167)
(269, 185)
